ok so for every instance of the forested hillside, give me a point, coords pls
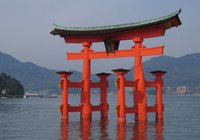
(10, 86)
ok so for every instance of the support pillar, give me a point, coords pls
(64, 96)
(159, 130)
(103, 95)
(85, 95)
(121, 106)
(63, 130)
(140, 101)
(159, 101)
(140, 131)
(120, 131)
(85, 129)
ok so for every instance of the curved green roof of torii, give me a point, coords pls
(59, 30)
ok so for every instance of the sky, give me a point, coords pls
(25, 27)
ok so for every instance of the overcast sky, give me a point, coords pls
(25, 27)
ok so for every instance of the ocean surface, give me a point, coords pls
(39, 119)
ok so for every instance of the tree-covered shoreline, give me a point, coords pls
(10, 87)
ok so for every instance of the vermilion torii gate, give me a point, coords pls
(111, 36)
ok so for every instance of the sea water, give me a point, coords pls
(39, 119)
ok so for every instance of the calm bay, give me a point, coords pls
(39, 119)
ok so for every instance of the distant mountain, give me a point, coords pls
(184, 70)
(33, 77)
(30, 75)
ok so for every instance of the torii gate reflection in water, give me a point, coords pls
(111, 36)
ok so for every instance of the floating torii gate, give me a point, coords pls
(111, 36)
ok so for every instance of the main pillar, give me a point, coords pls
(85, 95)
(159, 102)
(140, 102)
